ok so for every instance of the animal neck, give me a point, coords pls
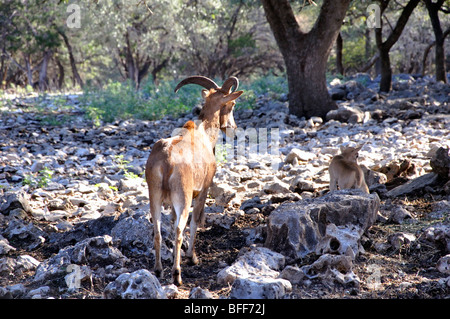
(211, 126)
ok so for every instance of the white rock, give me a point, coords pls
(443, 265)
(299, 155)
(259, 261)
(275, 187)
(222, 193)
(260, 287)
(140, 284)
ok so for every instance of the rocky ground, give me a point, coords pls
(74, 206)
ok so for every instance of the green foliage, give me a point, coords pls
(123, 165)
(122, 101)
(239, 45)
(222, 151)
(260, 85)
(118, 100)
(40, 179)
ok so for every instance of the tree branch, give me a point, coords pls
(401, 23)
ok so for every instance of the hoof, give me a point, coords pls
(192, 260)
(158, 273)
(177, 278)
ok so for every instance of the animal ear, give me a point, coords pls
(205, 93)
(233, 96)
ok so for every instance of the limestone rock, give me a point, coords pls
(140, 284)
(259, 261)
(276, 186)
(333, 269)
(222, 193)
(413, 185)
(303, 227)
(260, 287)
(440, 163)
(346, 114)
(92, 251)
(200, 293)
(300, 155)
(443, 265)
(13, 201)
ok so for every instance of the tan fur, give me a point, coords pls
(182, 167)
(345, 171)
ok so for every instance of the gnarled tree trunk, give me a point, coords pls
(306, 54)
(433, 11)
(385, 47)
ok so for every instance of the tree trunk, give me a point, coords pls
(385, 69)
(43, 82)
(385, 47)
(158, 68)
(61, 72)
(433, 12)
(130, 67)
(339, 47)
(28, 69)
(306, 54)
(427, 50)
(76, 76)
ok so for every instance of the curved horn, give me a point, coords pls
(200, 80)
(229, 83)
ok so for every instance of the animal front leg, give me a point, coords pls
(333, 182)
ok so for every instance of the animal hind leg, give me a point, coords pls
(197, 218)
(181, 207)
(155, 211)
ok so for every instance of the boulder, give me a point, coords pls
(27, 235)
(17, 266)
(140, 284)
(440, 163)
(95, 251)
(443, 264)
(332, 269)
(200, 293)
(260, 287)
(332, 223)
(135, 234)
(13, 201)
(258, 261)
(400, 239)
(396, 214)
(414, 185)
(5, 247)
(439, 235)
(346, 114)
(338, 93)
(300, 155)
(222, 193)
(276, 186)
(329, 269)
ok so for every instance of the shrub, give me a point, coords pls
(120, 100)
